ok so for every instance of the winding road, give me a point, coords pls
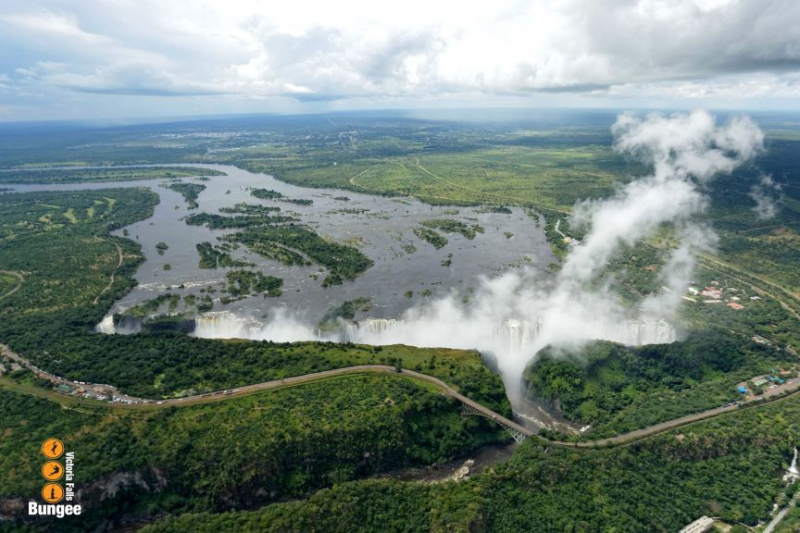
(790, 388)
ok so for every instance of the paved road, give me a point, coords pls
(790, 387)
(271, 385)
(779, 516)
(358, 369)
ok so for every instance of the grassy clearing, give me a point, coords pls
(69, 214)
(8, 283)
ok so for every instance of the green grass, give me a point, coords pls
(8, 282)
(79, 175)
(69, 214)
(544, 177)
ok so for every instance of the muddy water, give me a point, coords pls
(380, 227)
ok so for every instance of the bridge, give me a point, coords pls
(469, 407)
(518, 432)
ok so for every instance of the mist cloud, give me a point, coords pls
(514, 315)
(767, 196)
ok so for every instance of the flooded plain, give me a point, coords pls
(406, 269)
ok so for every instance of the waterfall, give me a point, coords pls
(125, 326)
(510, 336)
(793, 474)
(106, 325)
(226, 325)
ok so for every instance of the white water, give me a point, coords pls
(793, 473)
(508, 341)
(226, 325)
(106, 325)
(510, 336)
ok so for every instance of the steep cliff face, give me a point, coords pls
(94, 495)
(517, 335)
(11, 508)
(109, 487)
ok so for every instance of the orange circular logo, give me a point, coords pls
(52, 448)
(52, 493)
(52, 471)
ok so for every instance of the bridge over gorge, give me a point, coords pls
(518, 432)
(469, 407)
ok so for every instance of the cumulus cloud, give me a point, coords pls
(416, 50)
(767, 196)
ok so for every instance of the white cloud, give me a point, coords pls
(124, 77)
(57, 26)
(767, 196)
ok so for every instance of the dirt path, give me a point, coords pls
(780, 516)
(449, 183)
(353, 179)
(15, 289)
(111, 281)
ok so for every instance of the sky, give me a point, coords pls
(106, 59)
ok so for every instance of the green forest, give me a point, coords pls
(279, 237)
(238, 453)
(616, 388)
(189, 191)
(729, 467)
(84, 175)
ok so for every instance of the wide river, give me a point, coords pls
(380, 227)
(407, 271)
